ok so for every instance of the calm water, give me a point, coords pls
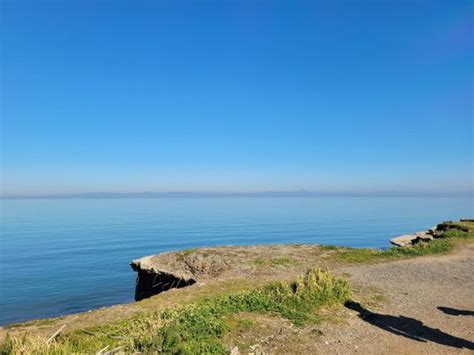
(71, 255)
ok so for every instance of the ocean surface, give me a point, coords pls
(62, 256)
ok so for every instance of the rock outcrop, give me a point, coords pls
(165, 271)
(154, 277)
(411, 239)
(403, 240)
(429, 235)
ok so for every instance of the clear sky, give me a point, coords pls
(236, 96)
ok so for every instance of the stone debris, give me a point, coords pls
(435, 232)
(404, 240)
(256, 350)
(423, 237)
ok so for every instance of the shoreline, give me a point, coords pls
(232, 268)
(151, 264)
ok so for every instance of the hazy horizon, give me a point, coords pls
(354, 97)
(269, 193)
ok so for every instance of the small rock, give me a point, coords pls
(423, 237)
(256, 350)
(234, 351)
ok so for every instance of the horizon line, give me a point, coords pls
(217, 194)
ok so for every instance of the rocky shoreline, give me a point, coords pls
(169, 270)
(433, 233)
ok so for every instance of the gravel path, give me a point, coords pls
(429, 308)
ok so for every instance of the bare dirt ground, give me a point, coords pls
(427, 308)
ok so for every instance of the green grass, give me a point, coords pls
(463, 226)
(260, 261)
(198, 327)
(36, 322)
(329, 247)
(455, 233)
(445, 243)
(187, 252)
(236, 324)
(438, 246)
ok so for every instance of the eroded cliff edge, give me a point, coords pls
(161, 272)
(165, 271)
(153, 277)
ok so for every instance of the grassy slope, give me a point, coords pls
(197, 327)
(202, 321)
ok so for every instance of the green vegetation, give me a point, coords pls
(461, 225)
(187, 252)
(237, 324)
(197, 327)
(35, 322)
(455, 233)
(329, 247)
(446, 242)
(366, 255)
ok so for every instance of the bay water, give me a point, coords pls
(60, 256)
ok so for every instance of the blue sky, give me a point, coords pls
(237, 96)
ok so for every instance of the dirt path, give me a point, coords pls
(429, 308)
